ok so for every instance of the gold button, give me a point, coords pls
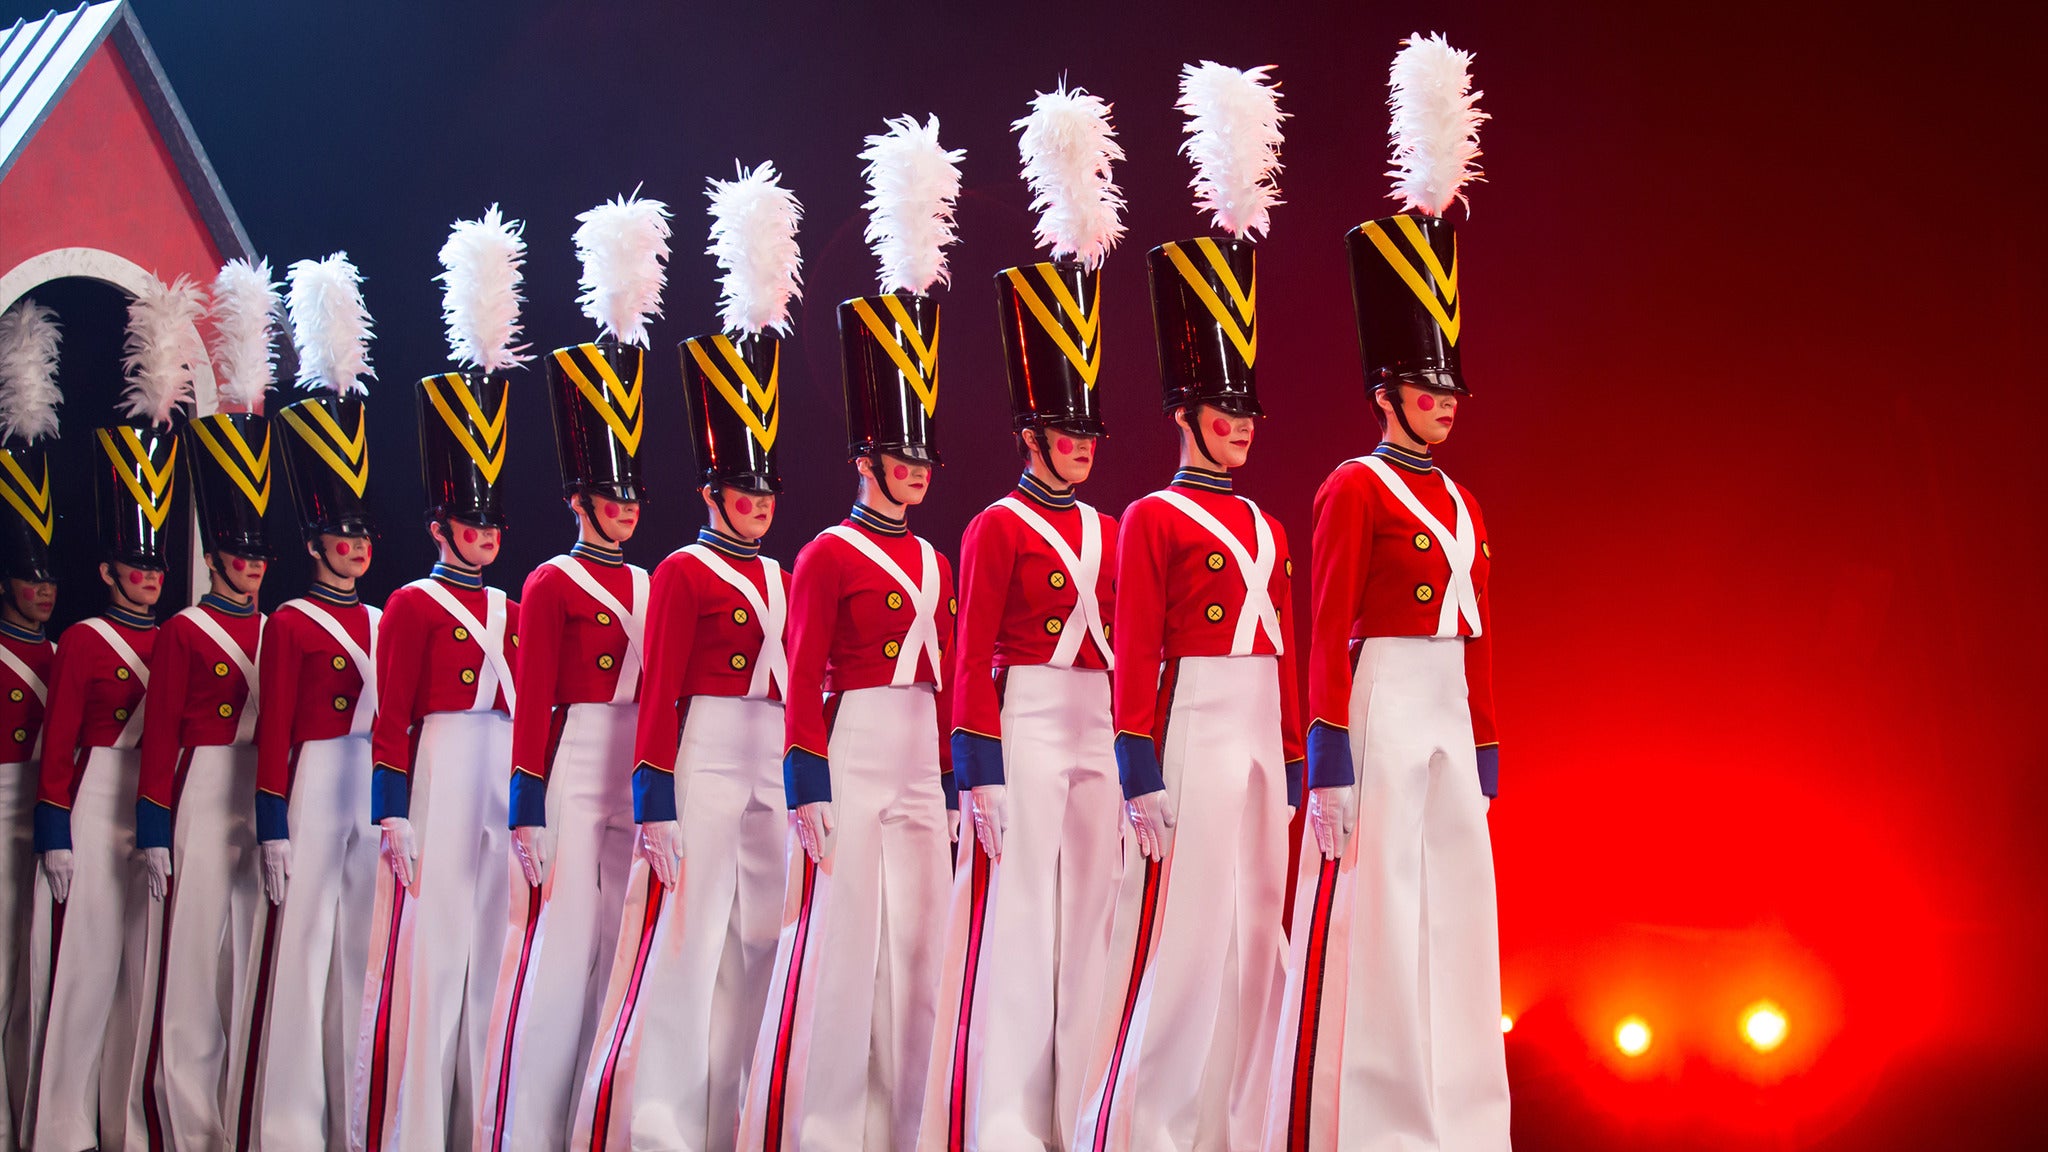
(226, 710)
(469, 675)
(1425, 593)
(1105, 631)
(1058, 579)
(461, 633)
(739, 661)
(341, 703)
(1214, 612)
(1485, 551)
(1288, 567)
(953, 605)
(1052, 627)
(1215, 561)
(21, 735)
(739, 615)
(120, 713)
(120, 673)
(339, 662)
(604, 618)
(895, 600)
(1422, 541)
(892, 649)
(605, 661)
(515, 639)
(220, 668)
(15, 695)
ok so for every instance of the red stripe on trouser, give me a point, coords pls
(1139, 955)
(602, 1122)
(152, 1105)
(785, 1029)
(259, 1007)
(380, 1040)
(1313, 964)
(956, 1123)
(533, 906)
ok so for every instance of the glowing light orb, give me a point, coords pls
(1632, 1036)
(1507, 1023)
(1763, 1026)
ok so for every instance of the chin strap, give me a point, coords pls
(1045, 451)
(448, 534)
(1201, 438)
(590, 518)
(875, 470)
(718, 504)
(223, 568)
(1393, 389)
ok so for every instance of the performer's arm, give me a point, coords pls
(277, 669)
(948, 622)
(813, 617)
(671, 635)
(1479, 676)
(988, 561)
(401, 652)
(1140, 641)
(1280, 586)
(1342, 537)
(69, 673)
(546, 607)
(170, 665)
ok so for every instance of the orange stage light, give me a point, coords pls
(1507, 1023)
(1763, 1026)
(1632, 1036)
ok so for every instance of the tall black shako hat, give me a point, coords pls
(596, 389)
(1205, 290)
(227, 456)
(29, 338)
(732, 379)
(135, 464)
(1404, 268)
(464, 435)
(889, 343)
(325, 436)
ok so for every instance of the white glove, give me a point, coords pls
(1150, 818)
(57, 871)
(529, 847)
(953, 825)
(991, 818)
(661, 847)
(813, 824)
(277, 865)
(401, 852)
(1332, 814)
(158, 861)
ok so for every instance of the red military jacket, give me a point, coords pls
(428, 662)
(312, 690)
(1380, 570)
(1017, 601)
(848, 622)
(1179, 593)
(704, 638)
(93, 694)
(573, 650)
(22, 700)
(198, 696)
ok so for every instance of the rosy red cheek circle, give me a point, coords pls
(241, 565)
(743, 505)
(1064, 445)
(135, 577)
(611, 509)
(900, 472)
(469, 535)
(341, 548)
(1426, 402)
(1220, 426)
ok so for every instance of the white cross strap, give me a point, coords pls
(131, 733)
(496, 672)
(923, 633)
(29, 679)
(633, 620)
(1083, 572)
(245, 728)
(1258, 611)
(1460, 597)
(365, 662)
(771, 612)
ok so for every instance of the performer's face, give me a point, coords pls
(33, 599)
(749, 514)
(242, 574)
(1430, 413)
(1073, 455)
(348, 556)
(1227, 437)
(137, 586)
(615, 518)
(473, 544)
(908, 479)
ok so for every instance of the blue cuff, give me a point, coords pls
(273, 820)
(1294, 783)
(977, 759)
(390, 794)
(806, 778)
(529, 800)
(1329, 756)
(1137, 765)
(52, 828)
(152, 825)
(654, 795)
(1489, 770)
(950, 782)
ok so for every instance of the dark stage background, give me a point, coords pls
(1753, 296)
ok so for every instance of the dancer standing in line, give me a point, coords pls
(1390, 1036)
(696, 942)
(1033, 738)
(841, 1058)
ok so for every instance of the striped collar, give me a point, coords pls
(1035, 489)
(470, 579)
(1406, 459)
(334, 596)
(227, 607)
(140, 621)
(599, 554)
(14, 631)
(1202, 480)
(728, 545)
(877, 523)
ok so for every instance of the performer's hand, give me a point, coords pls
(813, 824)
(401, 853)
(277, 865)
(1150, 818)
(529, 847)
(1332, 814)
(57, 871)
(991, 818)
(661, 847)
(158, 861)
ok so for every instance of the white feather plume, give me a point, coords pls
(753, 235)
(912, 183)
(330, 326)
(1233, 136)
(1067, 145)
(162, 352)
(480, 275)
(244, 315)
(1435, 129)
(622, 244)
(28, 373)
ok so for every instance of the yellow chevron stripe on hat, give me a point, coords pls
(1440, 300)
(347, 454)
(1085, 357)
(923, 372)
(248, 468)
(764, 424)
(1241, 327)
(616, 402)
(150, 485)
(488, 454)
(30, 499)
